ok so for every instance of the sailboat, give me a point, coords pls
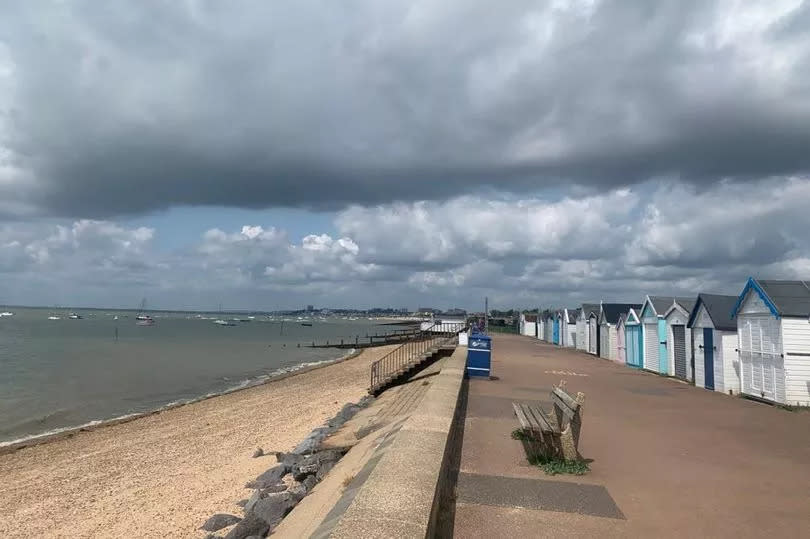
(144, 319)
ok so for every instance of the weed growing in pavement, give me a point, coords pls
(556, 466)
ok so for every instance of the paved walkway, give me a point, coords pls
(669, 459)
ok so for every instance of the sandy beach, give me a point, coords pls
(162, 475)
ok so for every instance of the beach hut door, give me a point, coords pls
(679, 350)
(708, 358)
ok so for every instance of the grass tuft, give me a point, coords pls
(557, 466)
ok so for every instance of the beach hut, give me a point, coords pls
(593, 333)
(528, 325)
(621, 348)
(679, 338)
(570, 337)
(634, 344)
(583, 333)
(549, 326)
(608, 319)
(555, 333)
(654, 332)
(714, 338)
(773, 333)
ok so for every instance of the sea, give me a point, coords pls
(59, 374)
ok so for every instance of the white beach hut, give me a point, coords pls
(609, 314)
(714, 337)
(773, 333)
(593, 333)
(679, 338)
(583, 333)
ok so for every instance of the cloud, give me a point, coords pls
(616, 246)
(120, 111)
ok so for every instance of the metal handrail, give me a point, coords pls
(436, 335)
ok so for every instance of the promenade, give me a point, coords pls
(668, 459)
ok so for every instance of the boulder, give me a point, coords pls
(289, 459)
(298, 491)
(309, 482)
(308, 466)
(255, 497)
(219, 521)
(273, 508)
(242, 503)
(258, 453)
(325, 468)
(270, 477)
(251, 525)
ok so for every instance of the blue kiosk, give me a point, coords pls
(479, 355)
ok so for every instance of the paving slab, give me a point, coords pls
(676, 460)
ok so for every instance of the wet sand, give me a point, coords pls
(164, 474)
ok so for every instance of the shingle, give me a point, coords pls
(792, 298)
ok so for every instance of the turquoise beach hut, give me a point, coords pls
(654, 333)
(634, 345)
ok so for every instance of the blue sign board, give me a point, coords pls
(479, 355)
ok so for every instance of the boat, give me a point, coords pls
(74, 316)
(221, 322)
(144, 319)
(6, 313)
(306, 324)
(54, 318)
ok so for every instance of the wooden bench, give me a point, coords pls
(555, 436)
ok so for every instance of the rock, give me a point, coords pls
(212, 536)
(242, 503)
(273, 508)
(250, 526)
(255, 497)
(325, 468)
(345, 413)
(308, 466)
(310, 443)
(289, 458)
(258, 453)
(219, 521)
(310, 482)
(298, 491)
(270, 477)
(278, 487)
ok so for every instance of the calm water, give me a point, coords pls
(62, 373)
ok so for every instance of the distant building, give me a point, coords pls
(310, 308)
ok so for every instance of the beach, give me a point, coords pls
(164, 474)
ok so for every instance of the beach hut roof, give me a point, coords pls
(784, 298)
(588, 308)
(719, 309)
(612, 311)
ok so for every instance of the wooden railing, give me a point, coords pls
(410, 352)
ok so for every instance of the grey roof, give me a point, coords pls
(719, 309)
(661, 304)
(589, 308)
(687, 303)
(791, 298)
(573, 314)
(612, 311)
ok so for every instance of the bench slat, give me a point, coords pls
(546, 424)
(521, 415)
(565, 399)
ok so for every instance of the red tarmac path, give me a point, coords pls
(669, 459)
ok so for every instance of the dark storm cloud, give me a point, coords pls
(121, 108)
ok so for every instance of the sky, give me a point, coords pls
(269, 155)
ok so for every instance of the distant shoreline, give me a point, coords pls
(13, 446)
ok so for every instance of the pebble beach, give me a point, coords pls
(164, 474)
